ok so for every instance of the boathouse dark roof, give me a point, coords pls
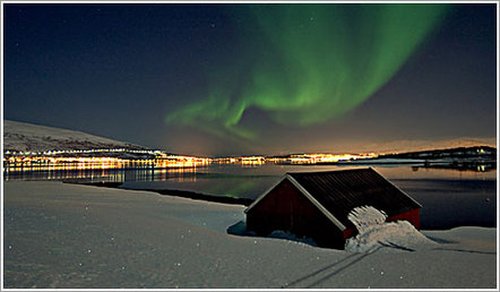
(337, 193)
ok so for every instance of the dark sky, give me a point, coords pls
(231, 79)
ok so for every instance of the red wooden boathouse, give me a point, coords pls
(316, 204)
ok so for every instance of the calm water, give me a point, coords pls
(449, 197)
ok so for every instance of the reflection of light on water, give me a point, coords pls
(180, 174)
(103, 175)
(93, 168)
(43, 163)
(96, 173)
(251, 165)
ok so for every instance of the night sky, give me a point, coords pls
(242, 79)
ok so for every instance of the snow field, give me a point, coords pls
(68, 236)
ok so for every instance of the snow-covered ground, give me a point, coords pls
(20, 136)
(63, 235)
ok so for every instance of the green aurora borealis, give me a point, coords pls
(310, 63)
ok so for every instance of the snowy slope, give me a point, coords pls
(69, 236)
(20, 136)
(402, 146)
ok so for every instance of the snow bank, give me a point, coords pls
(375, 233)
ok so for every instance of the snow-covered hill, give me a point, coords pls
(20, 136)
(402, 146)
